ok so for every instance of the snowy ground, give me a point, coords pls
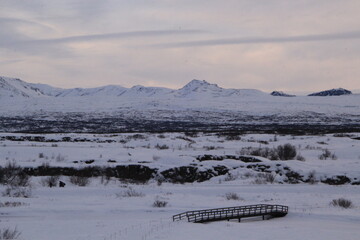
(96, 212)
(168, 150)
(100, 211)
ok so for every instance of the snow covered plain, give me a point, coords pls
(95, 212)
(103, 210)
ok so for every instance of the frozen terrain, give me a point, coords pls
(189, 148)
(97, 213)
(169, 150)
(122, 209)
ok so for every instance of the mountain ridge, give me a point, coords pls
(195, 88)
(15, 87)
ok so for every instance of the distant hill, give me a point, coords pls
(281, 94)
(332, 92)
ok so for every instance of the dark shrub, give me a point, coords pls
(312, 177)
(7, 233)
(17, 192)
(13, 175)
(341, 202)
(286, 151)
(232, 196)
(327, 154)
(50, 181)
(80, 181)
(161, 147)
(11, 204)
(159, 203)
(282, 152)
(130, 193)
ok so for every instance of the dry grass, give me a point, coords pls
(9, 234)
(341, 202)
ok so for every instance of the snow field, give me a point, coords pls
(168, 150)
(102, 211)
(96, 212)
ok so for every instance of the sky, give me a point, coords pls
(293, 46)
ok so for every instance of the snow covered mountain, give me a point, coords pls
(198, 88)
(194, 89)
(105, 91)
(110, 90)
(141, 91)
(14, 87)
(197, 105)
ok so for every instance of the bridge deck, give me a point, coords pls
(239, 212)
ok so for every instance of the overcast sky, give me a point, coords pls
(302, 45)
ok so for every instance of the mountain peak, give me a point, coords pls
(198, 86)
(198, 83)
(195, 84)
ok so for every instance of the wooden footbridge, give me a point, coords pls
(239, 212)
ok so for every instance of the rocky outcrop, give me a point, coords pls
(208, 157)
(281, 94)
(192, 174)
(332, 92)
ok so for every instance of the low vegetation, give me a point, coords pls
(161, 147)
(231, 177)
(264, 178)
(13, 175)
(17, 192)
(160, 204)
(17, 182)
(233, 196)
(11, 204)
(281, 152)
(50, 181)
(130, 192)
(312, 177)
(9, 234)
(341, 202)
(79, 180)
(326, 154)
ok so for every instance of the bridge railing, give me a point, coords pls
(231, 212)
